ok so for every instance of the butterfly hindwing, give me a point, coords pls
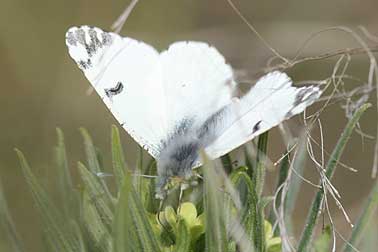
(272, 100)
(197, 82)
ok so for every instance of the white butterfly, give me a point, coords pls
(181, 100)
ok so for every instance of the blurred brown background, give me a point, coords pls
(41, 88)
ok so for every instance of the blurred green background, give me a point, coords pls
(41, 88)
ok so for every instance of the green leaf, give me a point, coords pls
(273, 244)
(369, 242)
(90, 151)
(295, 182)
(59, 233)
(68, 194)
(322, 244)
(94, 159)
(258, 177)
(284, 171)
(227, 163)
(95, 225)
(252, 216)
(119, 163)
(216, 235)
(188, 212)
(365, 219)
(183, 237)
(133, 231)
(169, 217)
(123, 241)
(97, 194)
(7, 223)
(330, 168)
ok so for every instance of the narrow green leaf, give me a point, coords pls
(248, 162)
(183, 237)
(227, 163)
(142, 225)
(68, 194)
(90, 150)
(322, 244)
(252, 216)
(59, 233)
(283, 173)
(97, 194)
(151, 203)
(119, 164)
(330, 168)
(259, 173)
(98, 231)
(133, 231)
(61, 157)
(79, 236)
(215, 224)
(7, 223)
(122, 224)
(369, 242)
(295, 182)
(94, 159)
(365, 219)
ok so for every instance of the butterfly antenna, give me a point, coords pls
(103, 174)
(144, 176)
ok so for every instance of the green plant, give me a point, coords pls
(224, 212)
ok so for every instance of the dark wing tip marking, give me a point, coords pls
(91, 39)
(110, 92)
(306, 96)
(84, 64)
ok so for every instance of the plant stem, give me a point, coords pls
(330, 168)
(367, 214)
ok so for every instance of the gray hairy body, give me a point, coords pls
(181, 152)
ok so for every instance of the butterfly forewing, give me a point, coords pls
(127, 75)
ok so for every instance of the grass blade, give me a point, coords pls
(90, 151)
(227, 163)
(97, 194)
(141, 224)
(119, 164)
(365, 219)
(133, 231)
(369, 241)
(183, 237)
(7, 223)
(323, 242)
(295, 182)
(283, 173)
(252, 216)
(122, 221)
(59, 232)
(259, 175)
(99, 233)
(68, 194)
(330, 168)
(216, 235)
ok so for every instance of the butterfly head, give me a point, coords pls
(176, 161)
